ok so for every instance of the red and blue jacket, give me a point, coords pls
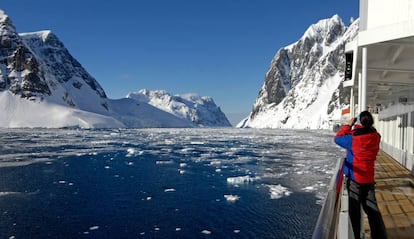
(362, 146)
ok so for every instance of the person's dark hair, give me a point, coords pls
(366, 119)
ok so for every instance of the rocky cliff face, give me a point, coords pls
(19, 68)
(37, 66)
(302, 88)
(68, 81)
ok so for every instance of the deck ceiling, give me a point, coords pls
(390, 71)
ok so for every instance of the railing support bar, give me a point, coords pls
(327, 225)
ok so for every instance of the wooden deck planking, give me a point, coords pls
(395, 196)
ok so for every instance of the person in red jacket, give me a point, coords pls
(361, 141)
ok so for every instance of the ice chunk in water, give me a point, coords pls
(93, 228)
(278, 191)
(207, 232)
(241, 179)
(231, 198)
(131, 152)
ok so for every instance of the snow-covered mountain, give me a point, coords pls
(42, 85)
(199, 110)
(302, 88)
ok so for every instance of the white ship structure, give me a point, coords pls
(382, 77)
(379, 74)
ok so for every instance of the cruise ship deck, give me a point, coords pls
(395, 196)
(379, 77)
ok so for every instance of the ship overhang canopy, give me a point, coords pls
(387, 34)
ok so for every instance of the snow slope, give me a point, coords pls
(142, 115)
(19, 112)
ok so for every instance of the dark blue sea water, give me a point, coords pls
(163, 183)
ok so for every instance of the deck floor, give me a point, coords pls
(395, 196)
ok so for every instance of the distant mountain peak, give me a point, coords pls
(198, 110)
(326, 30)
(302, 88)
(5, 20)
(20, 72)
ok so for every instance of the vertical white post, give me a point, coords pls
(362, 107)
(359, 92)
(352, 104)
(364, 79)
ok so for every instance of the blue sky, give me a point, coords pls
(217, 48)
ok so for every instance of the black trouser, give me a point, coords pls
(364, 194)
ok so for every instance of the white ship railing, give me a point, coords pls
(333, 219)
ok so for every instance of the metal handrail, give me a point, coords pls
(327, 224)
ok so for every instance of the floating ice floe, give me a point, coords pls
(231, 198)
(130, 152)
(308, 188)
(241, 179)
(215, 163)
(197, 142)
(161, 162)
(9, 193)
(169, 142)
(93, 228)
(186, 150)
(206, 232)
(278, 191)
(23, 163)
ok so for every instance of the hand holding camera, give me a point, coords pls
(352, 121)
